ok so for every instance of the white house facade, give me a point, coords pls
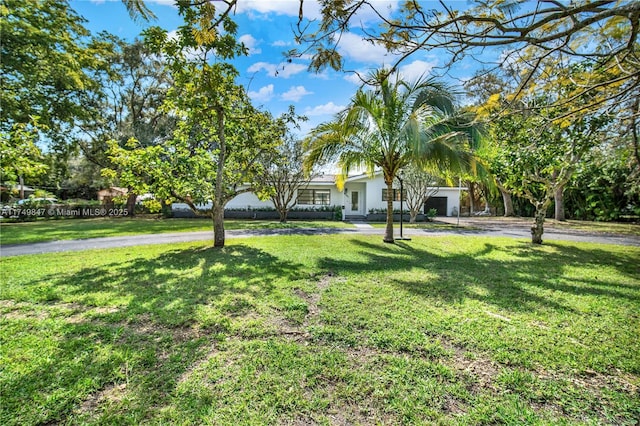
(361, 195)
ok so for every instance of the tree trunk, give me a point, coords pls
(21, 179)
(507, 201)
(217, 213)
(472, 197)
(218, 203)
(635, 139)
(131, 203)
(558, 197)
(388, 233)
(412, 215)
(166, 209)
(538, 226)
(283, 215)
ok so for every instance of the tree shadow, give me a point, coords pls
(509, 284)
(138, 324)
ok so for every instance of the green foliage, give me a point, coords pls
(19, 154)
(431, 213)
(529, 33)
(538, 145)
(46, 56)
(604, 188)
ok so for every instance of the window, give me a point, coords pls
(320, 197)
(396, 194)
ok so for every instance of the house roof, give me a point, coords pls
(362, 176)
(113, 190)
(323, 179)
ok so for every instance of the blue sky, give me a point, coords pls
(265, 26)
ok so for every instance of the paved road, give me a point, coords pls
(487, 229)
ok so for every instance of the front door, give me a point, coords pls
(355, 202)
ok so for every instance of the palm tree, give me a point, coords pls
(387, 128)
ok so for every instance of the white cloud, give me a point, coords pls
(273, 70)
(295, 93)
(281, 43)
(250, 43)
(356, 77)
(356, 48)
(172, 35)
(311, 9)
(326, 109)
(323, 75)
(265, 94)
(367, 15)
(171, 3)
(416, 69)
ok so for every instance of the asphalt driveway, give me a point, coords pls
(517, 230)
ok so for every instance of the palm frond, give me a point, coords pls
(396, 124)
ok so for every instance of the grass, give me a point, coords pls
(327, 330)
(72, 229)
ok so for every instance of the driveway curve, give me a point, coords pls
(485, 230)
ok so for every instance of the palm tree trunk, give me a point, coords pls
(388, 233)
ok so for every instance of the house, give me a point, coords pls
(108, 194)
(361, 195)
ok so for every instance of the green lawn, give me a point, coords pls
(71, 229)
(323, 330)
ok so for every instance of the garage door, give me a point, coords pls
(438, 203)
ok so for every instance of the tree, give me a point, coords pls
(286, 175)
(604, 186)
(479, 90)
(21, 157)
(390, 127)
(134, 84)
(46, 55)
(602, 31)
(536, 159)
(220, 140)
(420, 185)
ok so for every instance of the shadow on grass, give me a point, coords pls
(509, 275)
(132, 326)
(117, 339)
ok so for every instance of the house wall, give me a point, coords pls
(370, 191)
(249, 200)
(375, 186)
